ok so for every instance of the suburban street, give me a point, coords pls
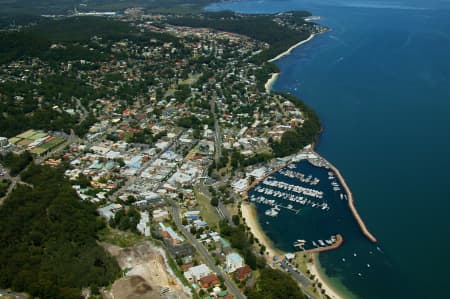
(217, 136)
(202, 250)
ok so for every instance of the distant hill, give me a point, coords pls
(10, 9)
(35, 41)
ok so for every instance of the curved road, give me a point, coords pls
(202, 250)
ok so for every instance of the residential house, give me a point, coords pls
(209, 281)
(233, 262)
(195, 273)
(242, 273)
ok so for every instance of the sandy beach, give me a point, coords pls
(249, 214)
(270, 82)
(313, 268)
(288, 51)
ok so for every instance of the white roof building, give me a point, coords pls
(240, 185)
(109, 211)
(258, 173)
(142, 226)
(197, 272)
(233, 262)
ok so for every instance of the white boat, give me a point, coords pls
(315, 244)
(321, 243)
(271, 212)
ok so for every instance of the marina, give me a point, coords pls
(308, 193)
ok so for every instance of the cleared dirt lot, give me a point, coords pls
(147, 274)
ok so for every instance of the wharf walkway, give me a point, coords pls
(337, 244)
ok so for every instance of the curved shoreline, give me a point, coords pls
(288, 51)
(249, 212)
(252, 221)
(270, 82)
(314, 269)
(351, 201)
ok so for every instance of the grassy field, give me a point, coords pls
(119, 238)
(208, 212)
(191, 80)
(301, 260)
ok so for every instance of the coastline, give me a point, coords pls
(288, 51)
(274, 77)
(251, 220)
(314, 269)
(270, 82)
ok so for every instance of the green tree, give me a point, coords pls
(214, 202)
(48, 239)
(236, 219)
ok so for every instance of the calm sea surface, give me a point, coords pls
(380, 81)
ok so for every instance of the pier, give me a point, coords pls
(337, 244)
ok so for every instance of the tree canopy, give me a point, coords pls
(275, 284)
(48, 239)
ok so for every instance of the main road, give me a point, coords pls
(202, 250)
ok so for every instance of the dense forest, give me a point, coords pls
(35, 41)
(28, 9)
(48, 239)
(275, 284)
(16, 162)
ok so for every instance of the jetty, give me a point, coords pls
(351, 204)
(337, 244)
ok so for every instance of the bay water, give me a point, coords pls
(380, 82)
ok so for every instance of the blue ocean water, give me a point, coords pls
(380, 81)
